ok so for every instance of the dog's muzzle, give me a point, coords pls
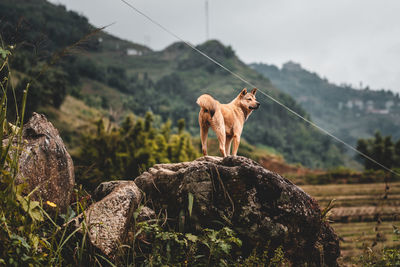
(256, 107)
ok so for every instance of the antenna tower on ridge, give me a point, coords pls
(207, 31)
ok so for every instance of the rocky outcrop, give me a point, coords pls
(45, 164)
(109, 219)
(106, 188)
(261, 206)
(258, 204)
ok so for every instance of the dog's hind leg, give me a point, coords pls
(203, 137)
(218, 126)
(221, 139)
(204, 125)
(228, 142)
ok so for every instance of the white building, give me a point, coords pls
(358, 103)
(133, 52)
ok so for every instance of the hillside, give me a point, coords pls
(178, 75)
(118, 77)
(346, 112)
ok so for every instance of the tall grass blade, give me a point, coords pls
(190, 203)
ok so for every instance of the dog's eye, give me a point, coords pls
(248, 98)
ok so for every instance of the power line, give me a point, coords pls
(265, 94)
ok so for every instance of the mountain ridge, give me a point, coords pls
(346, 112)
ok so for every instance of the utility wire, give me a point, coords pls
(252, 85)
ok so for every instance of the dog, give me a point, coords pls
(226, 120)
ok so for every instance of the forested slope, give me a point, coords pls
(117, 77)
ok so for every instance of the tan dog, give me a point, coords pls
(225, 119)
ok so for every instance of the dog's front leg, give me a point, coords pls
(218, 126)
(236, 142)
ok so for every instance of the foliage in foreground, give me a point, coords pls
(208, 248)
(155, 245)
(32, 233)
(389, 257)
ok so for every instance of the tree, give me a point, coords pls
(129, 150)
(388, 159)
(381, 149)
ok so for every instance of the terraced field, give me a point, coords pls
(362, 216)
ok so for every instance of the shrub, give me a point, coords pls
(208, 248)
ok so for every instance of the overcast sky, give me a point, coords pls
(345, 41)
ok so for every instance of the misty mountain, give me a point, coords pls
(346, 112)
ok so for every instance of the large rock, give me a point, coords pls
(110, 219)
(105, 188)
(258, 204)
(45, 163)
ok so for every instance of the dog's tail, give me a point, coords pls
(207, 103)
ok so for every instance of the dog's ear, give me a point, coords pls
(244, 92)
(254, 91)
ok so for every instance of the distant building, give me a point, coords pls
(133, 52)
(359, 103)
(389, 104)
(380, 111)
(349, 104)
(371, 109)
(370, 105)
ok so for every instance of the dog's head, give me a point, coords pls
(248, 100)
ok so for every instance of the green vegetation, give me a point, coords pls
(127, 151)
(209, 248)
(381, 149)
(156, 246)
(37, 50)
(31, 234)
(389, 257)
(346, 112)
